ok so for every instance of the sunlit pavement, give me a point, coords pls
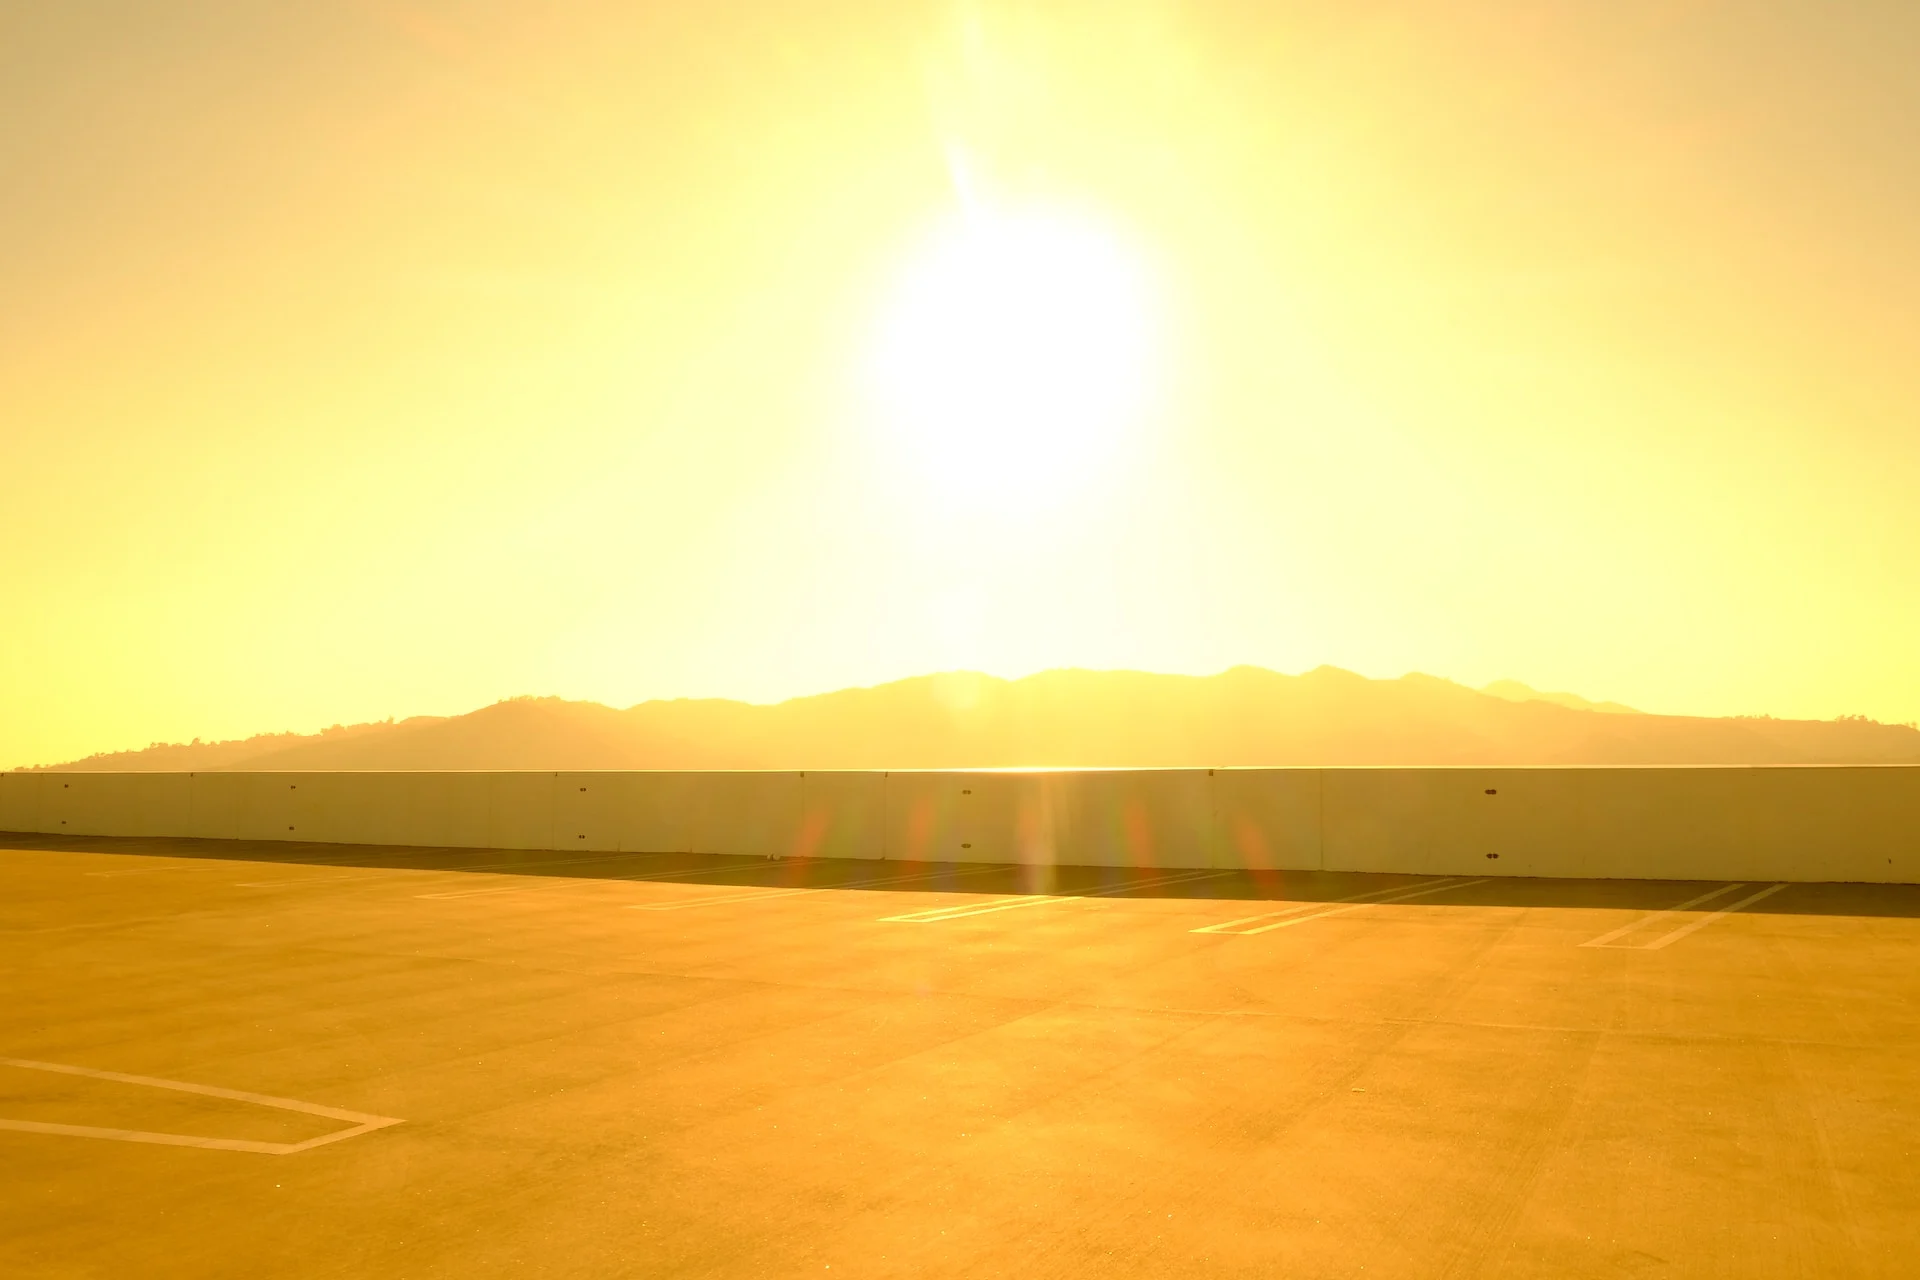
(257, 1060)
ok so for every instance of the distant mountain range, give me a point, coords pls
(1514, 691)
(1245, 716)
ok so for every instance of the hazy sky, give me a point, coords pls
(367, 359)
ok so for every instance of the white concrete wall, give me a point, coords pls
(1787, 823)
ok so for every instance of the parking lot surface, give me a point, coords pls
(230, 1059)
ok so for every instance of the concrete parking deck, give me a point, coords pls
(222, 1059)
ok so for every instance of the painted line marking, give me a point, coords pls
(296, 884)
(545, 886)
(359, 1121)
(506, 868)
(1362, 906)
(660, 877)
(1607, 939)
(721, 900)
(334, 863)
(143, 871)
(388, 873)
(1358, 906)
(939, 914)
(1666, 939)
(956, 913)
(1233, 926)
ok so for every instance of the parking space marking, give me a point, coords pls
(545, 886)
(296, 884)
(1233, 926)
(721, 900)
(978, 909)
(1667, 939)
(674, 877)
(359, 1121)
(576, 881)
(1608, 939)
(1292, 920)
(939, 914)
(388, 873)
(541, 884)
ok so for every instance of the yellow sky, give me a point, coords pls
(371, 359)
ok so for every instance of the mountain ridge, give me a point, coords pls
(1062, 718)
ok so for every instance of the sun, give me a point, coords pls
(1016, 354)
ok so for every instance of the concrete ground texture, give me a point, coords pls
(227, 1059)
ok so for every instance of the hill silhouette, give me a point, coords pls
(1069, 718)
(1514, 691)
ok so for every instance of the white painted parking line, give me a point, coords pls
(1234, 926)
(530, 883)
(389, 873)
(674, 877)
(721, 900)
(939, 914)
(1358, 906)
(1667, 939)
(142, 871)
(359, 1121)
(977, 909)
(544, 886)
(309, 880)
(725, 899)
(1608, 939)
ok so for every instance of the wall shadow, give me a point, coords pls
(721, 871)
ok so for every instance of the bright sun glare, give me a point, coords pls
(1015, 353)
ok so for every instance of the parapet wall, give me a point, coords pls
(1857, 823)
